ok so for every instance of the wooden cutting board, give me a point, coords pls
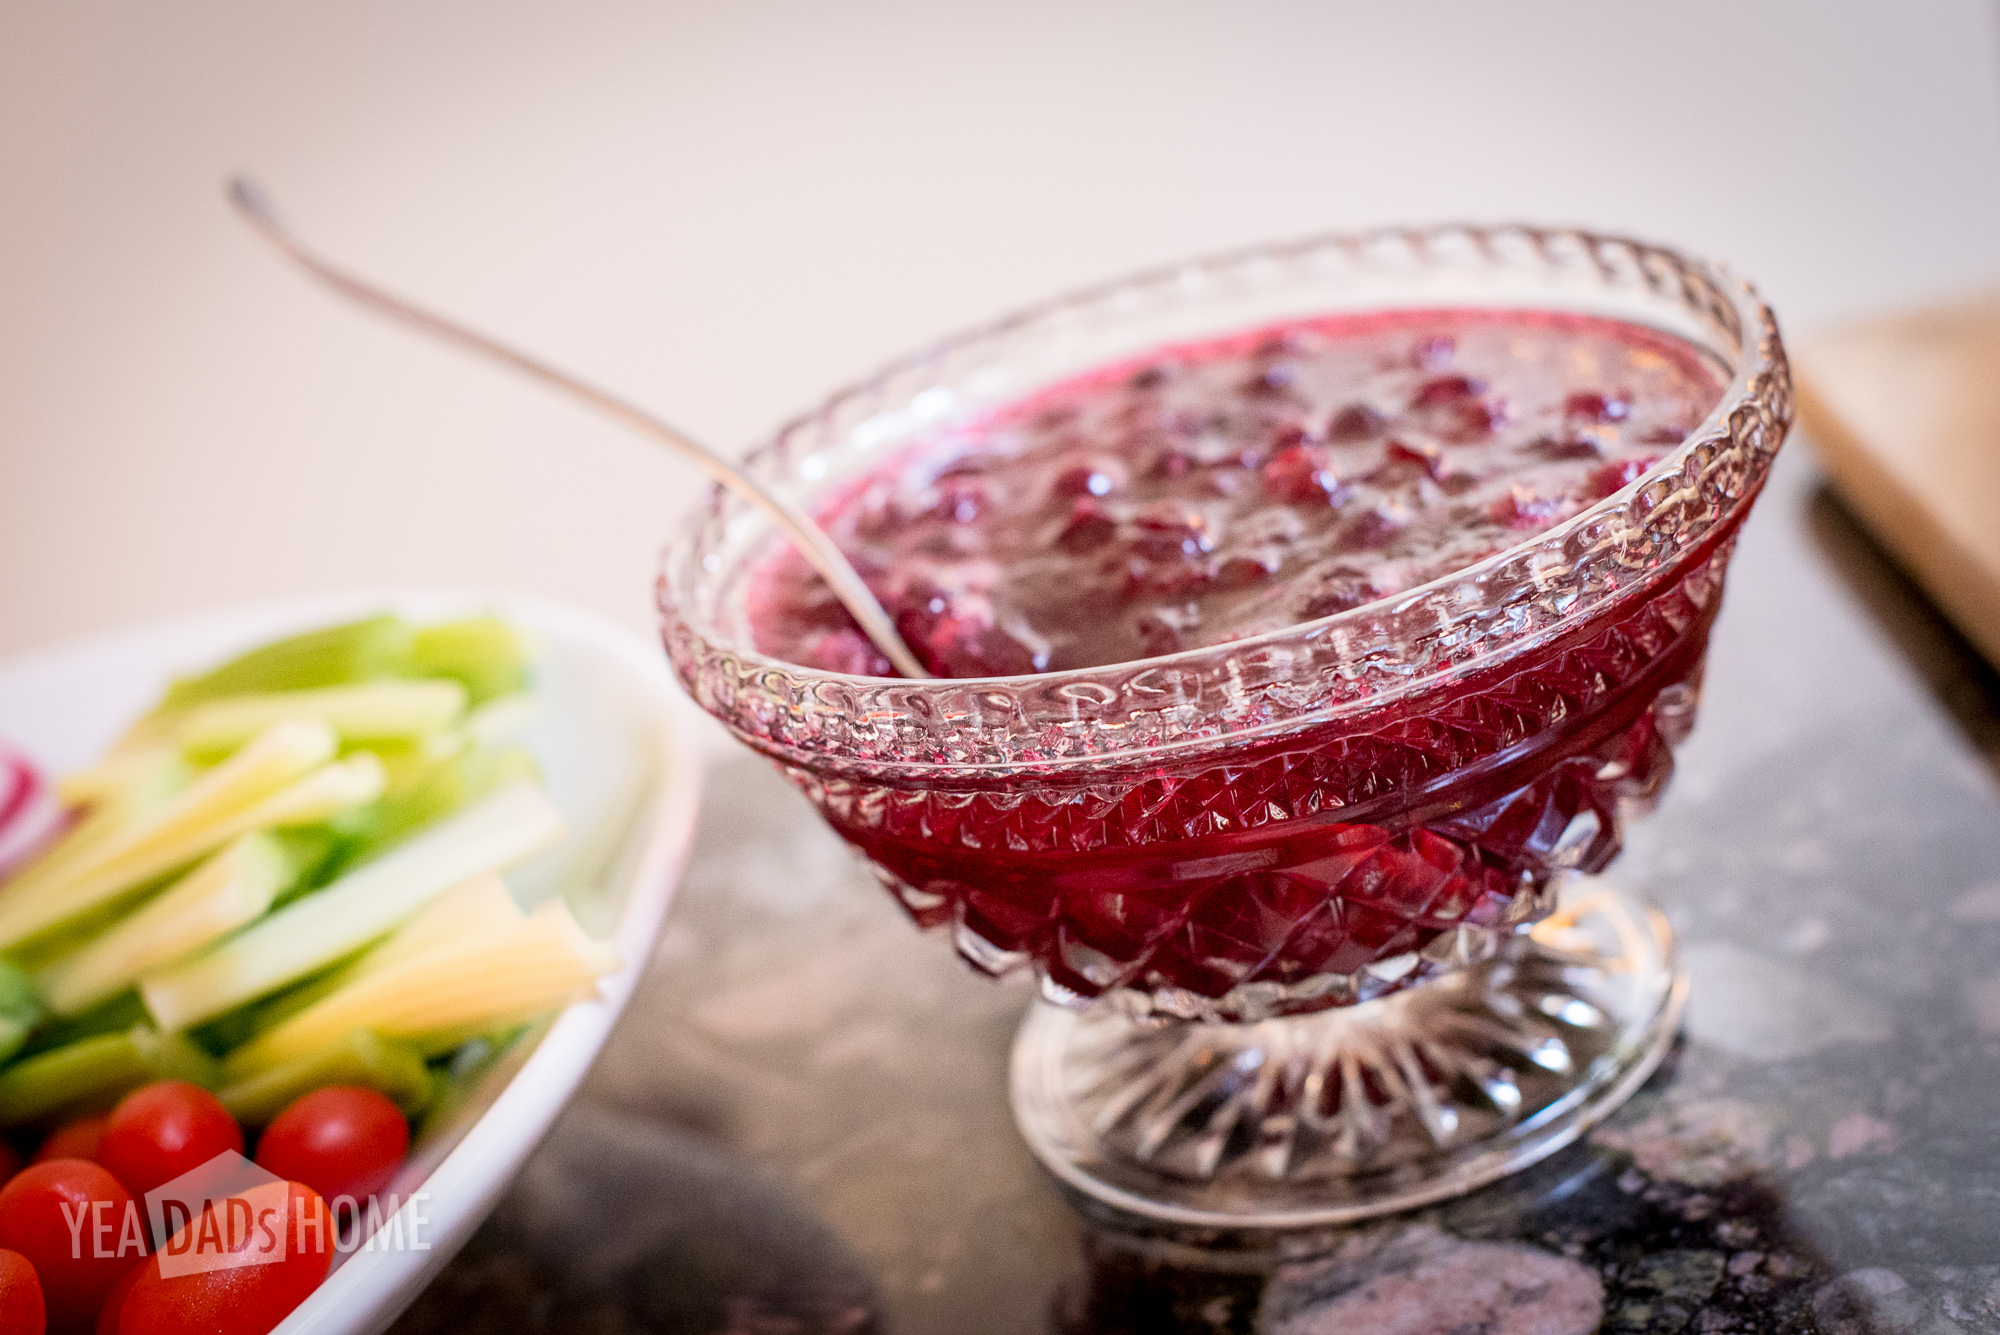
(1905, 413)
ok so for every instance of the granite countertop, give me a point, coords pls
(801, 1124)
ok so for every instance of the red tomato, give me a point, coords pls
(107, 1315)
(247, 1297)
(159, 1132)
(10, 1162)
(340, 1141)
(79, 1229)
(21, 1309)
(74, 1140)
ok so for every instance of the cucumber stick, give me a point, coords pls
(367, 903)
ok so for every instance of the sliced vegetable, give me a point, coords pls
(487, 654)
(367, 903)
(232, 888)
(94, 1072)
(207, 814)
(430, 790)
(335, 656)
(494, 978)
(378, 711)
(361, 1058)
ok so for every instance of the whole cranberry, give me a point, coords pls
(1301, 475)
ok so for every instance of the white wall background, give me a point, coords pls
(727, 209)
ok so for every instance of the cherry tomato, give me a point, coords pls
(80, 1230)
(340, 1141)
(246, 1298)
(159, 1132)
(74, 1140)
(114, 1305)
(21, 1309)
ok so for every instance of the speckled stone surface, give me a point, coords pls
(801, 1125)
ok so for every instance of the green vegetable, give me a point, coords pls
(20, 1009)
(111, 1017)
(365, 904)
(336, 656)
(361, 1058)
(455, 1078)
(486, 654)
(380, 711)
(95, 1072)
(447, 785)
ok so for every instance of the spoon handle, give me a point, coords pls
(250, 202)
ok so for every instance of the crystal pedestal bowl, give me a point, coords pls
(1313, 912)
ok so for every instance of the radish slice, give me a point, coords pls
(29, 812)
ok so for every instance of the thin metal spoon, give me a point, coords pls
(250, 202)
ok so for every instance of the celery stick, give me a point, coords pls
(335, 656)
(485, 653)
(367, 903)
(361, 1058)
(232, 888)
(88, 1069)
(426, 797)
(497, 977)
(373, 712)
(451, 784)
(94, 1072)
(181, 834)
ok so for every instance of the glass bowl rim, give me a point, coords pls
(1758, 378)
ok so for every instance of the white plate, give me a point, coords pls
(621, 761)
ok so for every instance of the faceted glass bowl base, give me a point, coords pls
(1365, 1110)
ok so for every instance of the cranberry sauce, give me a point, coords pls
(1216, 491)
(1212, 491)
